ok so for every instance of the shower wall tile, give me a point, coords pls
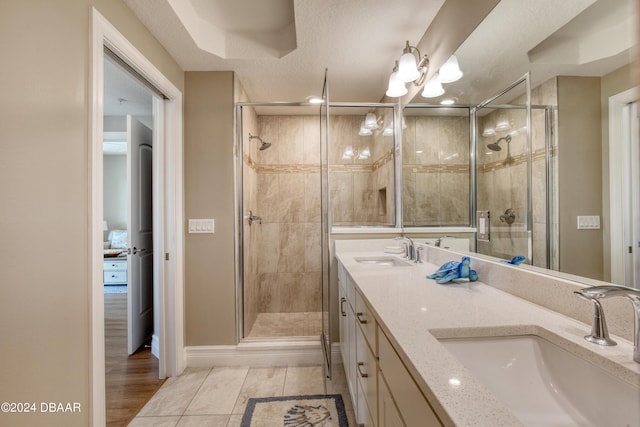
(539, 191)
(268, 254)
(292, 296)
(268, 199)
(269, 291)
(427, 141)
(311, 141)
(291, 254)
(409, 197)
(428, 197)
(290, 140)
(312, 243)
(363, 198)
(409, 142)
(312, 197)
(290, 199)
(454, 207)
(341, 192)
(540, 244)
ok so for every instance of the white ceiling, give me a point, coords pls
(359, 40)
(356, 40)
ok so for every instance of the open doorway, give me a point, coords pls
(131, 367)
(167, 202)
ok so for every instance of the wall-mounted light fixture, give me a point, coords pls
(351, 153)
(412, 67)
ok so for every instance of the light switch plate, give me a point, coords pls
(588, 222)
(201, 226)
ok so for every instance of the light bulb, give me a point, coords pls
(433, 88)
(396, 87)
(450, 71)
(408, 68)
(370, 121)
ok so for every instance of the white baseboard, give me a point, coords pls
(155, 346)
(261, 354)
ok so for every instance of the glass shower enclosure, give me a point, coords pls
(279, 196)
(514, 176)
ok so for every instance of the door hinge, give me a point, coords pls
(166, 256)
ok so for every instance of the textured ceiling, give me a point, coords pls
(356, 40)
(359, 40)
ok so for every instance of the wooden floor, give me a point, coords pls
(130, 380)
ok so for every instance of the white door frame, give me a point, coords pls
(167, 212)
(618, 155)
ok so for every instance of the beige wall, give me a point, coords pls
(210, 302)
(115, 191)
(579, 174)
(44, 303)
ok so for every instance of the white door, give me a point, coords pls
(140, 235)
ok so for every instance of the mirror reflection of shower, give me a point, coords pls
(263, 144)
(496, 147)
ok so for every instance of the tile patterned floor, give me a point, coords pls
(217, 397)
(304, 324)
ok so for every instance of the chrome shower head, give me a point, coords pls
(263, 144)
(496, 145)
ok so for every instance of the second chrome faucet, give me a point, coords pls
(599, 333)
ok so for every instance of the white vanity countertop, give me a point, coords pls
(414, 311)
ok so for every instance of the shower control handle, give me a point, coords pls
(251, 217)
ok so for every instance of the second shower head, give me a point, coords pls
(263, 144)
(496, 145)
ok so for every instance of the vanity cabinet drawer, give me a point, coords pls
(364, 317)
(115, 277)
(388, 414)
(367, 373)
(115, 265)
(411, 403)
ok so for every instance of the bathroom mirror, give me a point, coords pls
(578, 57)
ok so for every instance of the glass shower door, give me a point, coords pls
(325, 226)
(503, 174)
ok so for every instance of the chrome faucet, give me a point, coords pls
(599, 333)
(408, 247)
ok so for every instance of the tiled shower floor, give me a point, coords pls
(287, 325)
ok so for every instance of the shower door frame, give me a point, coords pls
(526, 79)
(239, 216)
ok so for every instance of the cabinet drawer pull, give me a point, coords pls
(362, 321)
(342, 301)
(362, 374)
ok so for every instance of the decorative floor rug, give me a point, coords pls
(321, 410)
(115, 289)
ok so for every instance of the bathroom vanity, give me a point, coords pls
(396, 326)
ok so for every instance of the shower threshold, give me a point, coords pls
(272, 325)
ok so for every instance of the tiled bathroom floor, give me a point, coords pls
(216, 397)
(305, 324)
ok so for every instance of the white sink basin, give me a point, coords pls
(545, 385)
(387, 261)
